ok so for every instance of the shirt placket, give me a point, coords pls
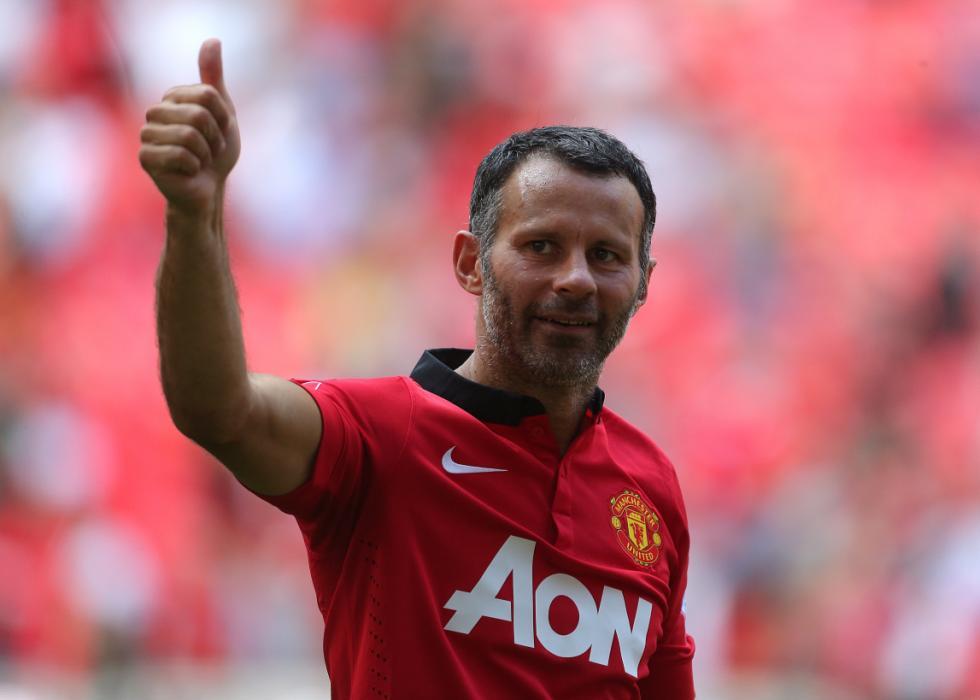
(564, 498)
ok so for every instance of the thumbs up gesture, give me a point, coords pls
(190, 141)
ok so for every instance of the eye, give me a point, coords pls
(540, 246)
(604, 255)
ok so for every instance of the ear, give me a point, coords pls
(466, 262)
(646, 290)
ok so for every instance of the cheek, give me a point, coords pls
(621, 289)
(522, 284)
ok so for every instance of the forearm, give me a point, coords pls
(202, 354)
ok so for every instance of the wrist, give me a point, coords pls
(186, 216)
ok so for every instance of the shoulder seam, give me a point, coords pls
(411, 417)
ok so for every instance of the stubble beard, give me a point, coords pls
(565, 362)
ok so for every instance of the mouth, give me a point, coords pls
(568, 324)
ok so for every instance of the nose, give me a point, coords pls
(574, 277)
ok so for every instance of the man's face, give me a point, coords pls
(562, 277)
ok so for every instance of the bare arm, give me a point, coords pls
(263, 428)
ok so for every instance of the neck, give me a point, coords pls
(564, 404)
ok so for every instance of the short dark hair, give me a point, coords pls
(587, 149)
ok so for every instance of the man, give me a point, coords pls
(484, 528)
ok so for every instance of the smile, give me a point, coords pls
(568, 323)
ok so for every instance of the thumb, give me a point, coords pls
(209, 64)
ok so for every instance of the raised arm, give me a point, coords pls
(263, 428)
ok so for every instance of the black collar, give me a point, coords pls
(435, 372)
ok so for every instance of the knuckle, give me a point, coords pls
(175, 93)
(188, 159)
(185, 132)
(194, 140)
(207, 128)
(202, 145)
(200, 118)
(209, 93)
(214, 103)
(175, 155)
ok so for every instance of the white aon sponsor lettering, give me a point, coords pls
(529, 613)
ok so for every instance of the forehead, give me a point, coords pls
(544, 191)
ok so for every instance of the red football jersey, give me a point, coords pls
(455, 553)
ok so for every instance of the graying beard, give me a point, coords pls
(533, 367)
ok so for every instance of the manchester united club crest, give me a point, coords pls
(637, 527)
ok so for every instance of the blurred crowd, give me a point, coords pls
(809, 356)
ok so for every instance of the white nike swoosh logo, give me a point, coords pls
(456, 468)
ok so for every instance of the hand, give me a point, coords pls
(190, 141)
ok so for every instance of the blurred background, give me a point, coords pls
(809, 356)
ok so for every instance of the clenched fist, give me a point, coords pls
(190, 141)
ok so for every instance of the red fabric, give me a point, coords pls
(394, 539)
